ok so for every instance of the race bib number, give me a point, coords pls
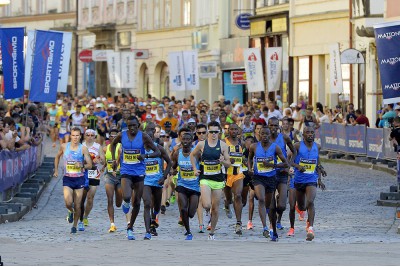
(237, 157)
(131, 156)
(63, 129)
(110, 166)
(260, 165)
(72, 169)
(92, 174)
(52, 119)
(309, 165)
(152, 167)
(212, 167)
(187, 173)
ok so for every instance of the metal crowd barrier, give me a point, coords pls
(357, 140)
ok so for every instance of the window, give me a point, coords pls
(144, 14)
(26, 7)
(40, 7)
(156, 14)
(345, 96)
(186, 12)
(7, 10)
(304, 78)
(167, 15)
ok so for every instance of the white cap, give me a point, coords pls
(91, 131)
(191, 120)
(293, 105)
(396, 107)
(99, 105)
(93, 100)
(59, 101)
(104, 99)
(111, 105)
(98, 99)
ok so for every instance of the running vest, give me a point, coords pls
(154, 170)
(109, 158)
(130, 164)
(70, 158)
(308, 159)
(308, 121)
(280, 141)
(186, 176)
(247, 131)
(63, 124)
(236, 153)
(92, 122)
(261, 155)
(210, 165)
(124, 126)
(77, 120)
(94, 152)
(53, 114)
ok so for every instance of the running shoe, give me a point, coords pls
(266, 232)
(154, 223)
(147, 236)
(290, 232)
(153, 231)
(274, 237)
(271, 232)
(81, 227)
(180, 222)
(73, 230)
(85, 222)
(310, 235)
(70, 217)
(209, 226)
(167, 203)
(279, 226)
(130, 234)
(163, 209)
(211, 237)
(250, 225)
(201, 229)
(125, 207)
(228, 213)
(172, 200)
(238, 228)
(189, 237)
(156, 220)
(112, 229)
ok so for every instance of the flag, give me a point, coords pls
(387, 39)
(254, 71)
(127, 69)
(12, 49)
(46, 66)
(114, 68)
(273, 61)
(64, 63)
(335, 70)
(28, 58)
(191, 69)
(176, 71)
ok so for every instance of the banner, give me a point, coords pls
(127, 69)
(191, 69)
(114, 68)
(356, 136)
(375, 142)
(335, 70)
(12, 49)
(254, 71)
(329, 136)
(176, 71)
(387, 38)
(46, 66)
(29, 58)
(342, 137)
(64, 63)
(273, 62)
(99, 55)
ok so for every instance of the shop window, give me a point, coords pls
(304, 78)
(345, 96)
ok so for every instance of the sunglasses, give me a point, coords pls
(115, 110)
(213, 132)
(201, 133)
(91, 108)
(227, 128)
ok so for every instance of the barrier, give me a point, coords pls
(15, 166)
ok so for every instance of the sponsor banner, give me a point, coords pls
(46, 66)
(64, 63)
(127, 69)
(254, 71)
(388, 149)
(238, 77)
(176, 71)
(99, 55)
(329, 136)
(387, 38)
(273, 62)
(29, 58)
(191, 69)
(356, 136)
(335, 70)
(375, 142)
(208, 69)
(12, 50)
(114, 68)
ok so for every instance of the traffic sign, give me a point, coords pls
(85, 56)
(242, 21)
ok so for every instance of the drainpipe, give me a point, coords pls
(351, 46)
(76, 48)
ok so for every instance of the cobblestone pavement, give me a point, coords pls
(350, 229)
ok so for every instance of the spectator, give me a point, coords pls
(171, 119)
(257, 118)
(309, 119)
(337, 114)
(387, 117)
(272, 112)
(350, 113)
(360, 119)
(327, 117)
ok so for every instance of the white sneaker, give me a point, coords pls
(211, 237)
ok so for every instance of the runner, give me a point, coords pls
(122, 123)
(63, 127)
(133, 168)
(188, 187)
(153, 184)
(98, 158)
(211, 153)
(76, 118)
(262, 162)
(90, 120)
(112, 180)
(307, 176)
(234, 181)
(52, 124)
(74, 154)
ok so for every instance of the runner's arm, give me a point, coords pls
(291, 147)
(251, 157)
(87, 157)
(147, 141)
(164, 155)
(195, 154)
(114, 143)
(226, 162)
(279, 153)
(57, 159)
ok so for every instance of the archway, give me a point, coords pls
(144, 79)
(161, 79)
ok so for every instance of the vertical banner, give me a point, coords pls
(46, 66)
(254, 71)
(114, 68)
(64, 63)
(29, 58)
(273, 62)
(335, 70)
(176, 71)
(12, 49)
(387, 37)
(127, 69)
(191, 69)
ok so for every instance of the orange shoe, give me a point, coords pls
(310, 235)
(250, 225)
(307, 226)
(290, 232)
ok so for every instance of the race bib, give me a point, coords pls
(260, 165)
(187, 173)
(72, 169)
(63, 129)
(309, 165)
(92, 174)
(52, 119)
(237, 157)
(110, 166)
(212, 167)
(152, 167)
(131, 156)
